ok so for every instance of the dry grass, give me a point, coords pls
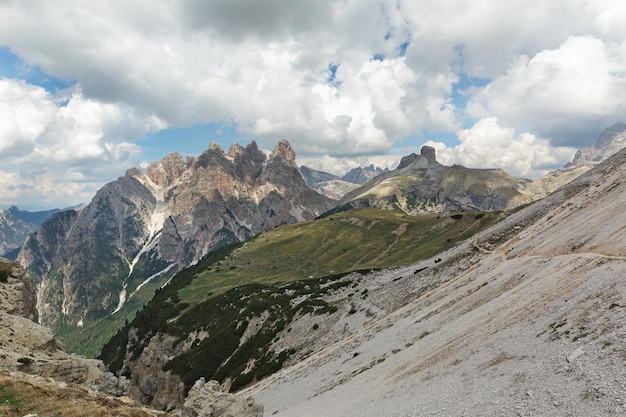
(20, 397)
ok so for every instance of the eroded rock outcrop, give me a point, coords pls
(209, 399)
(17, 294)
(32, 349)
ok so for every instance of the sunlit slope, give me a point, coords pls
(359, 239)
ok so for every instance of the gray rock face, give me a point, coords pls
(30, 348)
(17, 294)
(428, 152)
(145, 226)
(612, 140)
(209, 399)
(77, 257)
(362, 175)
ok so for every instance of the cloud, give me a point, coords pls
(568, 94)
(264, 67)
(337, 78)
(487, 144)
(62, 152)
(270, 19)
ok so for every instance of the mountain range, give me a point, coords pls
(525, 317)
(110, 256)
(497, 312)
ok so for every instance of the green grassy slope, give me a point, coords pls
(359, 239)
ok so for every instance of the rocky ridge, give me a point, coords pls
(138, 230)
(361, 175)
(420, 183)
(610, 141)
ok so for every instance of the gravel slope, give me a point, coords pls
(528, 319)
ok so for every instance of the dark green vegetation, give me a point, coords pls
(224, 318)
(277, 275)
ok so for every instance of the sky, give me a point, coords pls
(90, 89)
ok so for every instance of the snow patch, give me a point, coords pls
(154, 226)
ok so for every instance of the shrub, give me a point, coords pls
(4, 275)
(25, 361)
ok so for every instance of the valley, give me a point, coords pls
(385, 294)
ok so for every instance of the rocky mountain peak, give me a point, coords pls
(610, 141)
(285, 151)
(428, 152)
(213, 146)
(235, 150)
(134, 235)
(163, 173)
(426, 159)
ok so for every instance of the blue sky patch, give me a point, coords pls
(13, 67)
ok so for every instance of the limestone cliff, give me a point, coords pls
(140, 229)
(17, 294)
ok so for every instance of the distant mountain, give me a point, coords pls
(110, 256)
(334, 187)
(326, 184)
(34, 217)
(362, 175)
(611, 141)
(15, 225)
(313, 177)
(420, 183)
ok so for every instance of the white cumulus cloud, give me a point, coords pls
(489, 144)
(53, 152)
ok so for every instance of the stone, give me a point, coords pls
(207, 399)
(575, 354)
(428, 152)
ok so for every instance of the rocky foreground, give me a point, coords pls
(39, 377)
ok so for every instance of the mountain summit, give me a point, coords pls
(420, 183)
(138, 230)
(612, 140)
